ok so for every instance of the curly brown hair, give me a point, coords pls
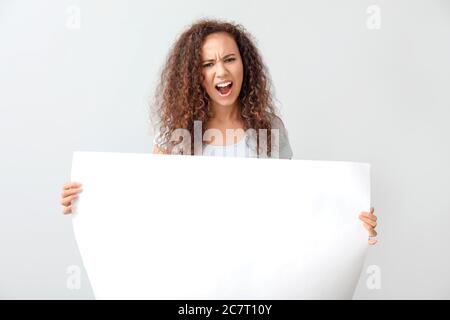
(180, 98)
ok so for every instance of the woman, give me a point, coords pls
(214, 85)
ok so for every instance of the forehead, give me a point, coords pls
(220, 43)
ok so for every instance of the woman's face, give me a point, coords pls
(222, 69)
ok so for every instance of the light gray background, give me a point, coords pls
(346, 92)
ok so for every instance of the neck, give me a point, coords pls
(225, 113)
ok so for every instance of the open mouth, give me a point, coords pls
(224, 88)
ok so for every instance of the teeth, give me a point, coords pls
(222, 85)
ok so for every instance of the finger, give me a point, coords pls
(372, 232)
(70, 185)
(368, 227)
(369, 215)
(67, 210)
(369, 221)
(372, 242)
(70, 192)
(372, 210)
(68, 200)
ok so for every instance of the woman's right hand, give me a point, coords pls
(70, 194)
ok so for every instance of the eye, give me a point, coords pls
(230, 59)
(207, 65)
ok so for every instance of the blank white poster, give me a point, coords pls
(190, 227)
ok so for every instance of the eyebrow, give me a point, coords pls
(227, 56)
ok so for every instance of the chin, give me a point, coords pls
(224, 103)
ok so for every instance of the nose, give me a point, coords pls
(221, 70)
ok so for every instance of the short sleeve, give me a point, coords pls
(285, 150)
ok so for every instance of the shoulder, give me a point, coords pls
(276, 122)
(160, 146)
(283, 145)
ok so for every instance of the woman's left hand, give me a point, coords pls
(369, 220)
